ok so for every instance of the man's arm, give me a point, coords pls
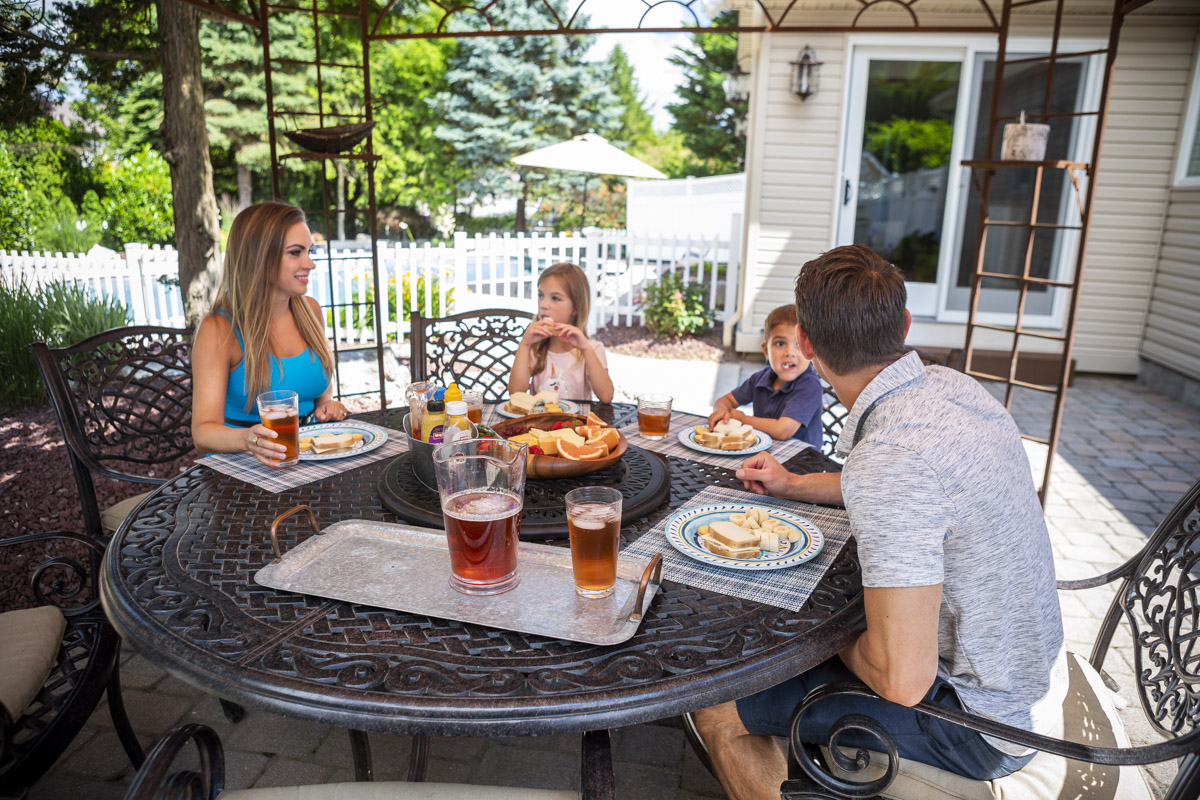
(763, 474)
(897, 655)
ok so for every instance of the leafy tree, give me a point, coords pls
(635, 127)
(510, 94)
(709, 122)
(906, 145)
(16, 217)
(137, 201)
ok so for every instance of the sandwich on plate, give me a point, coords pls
(727, 434)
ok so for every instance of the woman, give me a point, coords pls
(263, 334)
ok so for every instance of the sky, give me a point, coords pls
(647, 52)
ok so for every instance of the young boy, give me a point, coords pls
(786, 394)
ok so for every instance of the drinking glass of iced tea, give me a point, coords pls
(481, 483)
(280, 412)
(654, 415)
(594, 524)
(474, 401)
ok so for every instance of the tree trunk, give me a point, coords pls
(245, 190)
(197, 232)
(519, 224)
(341, 199)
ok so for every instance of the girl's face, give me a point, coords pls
(554, 302)
(296, 262)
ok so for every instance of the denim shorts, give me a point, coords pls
(918, 737)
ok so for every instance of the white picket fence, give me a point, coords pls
(493, 271)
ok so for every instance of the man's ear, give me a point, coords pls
(806, 348)
(907, 322)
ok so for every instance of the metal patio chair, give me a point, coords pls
(56, 661)
(1159, 597)
(476, 348)
(123, 399)
(157, 781)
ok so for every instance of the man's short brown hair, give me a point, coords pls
(850, 302)
(783, 315)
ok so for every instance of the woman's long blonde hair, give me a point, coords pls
(253, 255)
(576, 284)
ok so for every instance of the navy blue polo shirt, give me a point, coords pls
(799, 400)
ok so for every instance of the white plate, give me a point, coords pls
(567, 406)
(683, 526)
(762, 441)
(373, 437)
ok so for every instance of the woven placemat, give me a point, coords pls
(670, 445)
(786, 588)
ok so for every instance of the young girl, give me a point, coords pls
(263, 334)
(554, 352)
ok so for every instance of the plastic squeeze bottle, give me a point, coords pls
(453, 393)
(457, 425)
(434, 421)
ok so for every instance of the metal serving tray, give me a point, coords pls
(406, 568)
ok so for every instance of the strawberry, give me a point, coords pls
(535, 450)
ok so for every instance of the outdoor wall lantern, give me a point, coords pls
(806, 72)
(736, 84)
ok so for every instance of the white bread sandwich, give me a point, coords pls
(520, 403)
(717, 548)
(733, 536)
(546, 396)
(328, 442)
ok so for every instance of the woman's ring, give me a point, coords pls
(254, 439)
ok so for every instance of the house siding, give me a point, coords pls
(1172, 335)
(794, 172)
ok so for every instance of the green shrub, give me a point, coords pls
(673, 309)
(58, 314)
(366, 312)
(63, 234)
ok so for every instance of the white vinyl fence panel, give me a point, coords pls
(475, 272)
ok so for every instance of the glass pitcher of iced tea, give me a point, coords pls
(481, 483)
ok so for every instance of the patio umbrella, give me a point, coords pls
(590, 154)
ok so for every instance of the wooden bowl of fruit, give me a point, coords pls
(565, 445)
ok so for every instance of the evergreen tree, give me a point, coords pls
(709, 122)
(510, 94)
(635, 127)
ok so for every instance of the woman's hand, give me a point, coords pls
(260, 444)
(330, 411)
(571, 335)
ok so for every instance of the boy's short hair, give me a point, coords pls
(850, 302)
(783, 315)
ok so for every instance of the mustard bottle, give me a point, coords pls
(452, 393)
(457, 425)
(434, 421)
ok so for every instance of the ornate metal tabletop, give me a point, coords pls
(178, 585)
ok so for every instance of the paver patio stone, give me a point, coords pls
(649, 744)
(514, 765)
(292, 772)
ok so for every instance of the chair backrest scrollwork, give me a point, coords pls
(476, 348)
(1161, 602)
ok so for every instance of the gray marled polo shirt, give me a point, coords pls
(938, 490)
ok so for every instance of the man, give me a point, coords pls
(958, 574)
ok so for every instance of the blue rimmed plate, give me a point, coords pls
(763, 441)
(567, 406)
(373, 437)
(683, 534)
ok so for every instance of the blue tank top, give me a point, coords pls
(303, 372)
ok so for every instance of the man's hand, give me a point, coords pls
(762, 474)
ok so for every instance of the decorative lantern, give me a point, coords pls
(806, 71)
(736, 84)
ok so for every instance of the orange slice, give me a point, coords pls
(608, 437)
(592, 419)
(581, 452)
(587, 431)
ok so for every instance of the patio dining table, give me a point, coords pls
(178, 584)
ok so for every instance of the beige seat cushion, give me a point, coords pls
(29, 643)
(1089, 717)
(112, 517)
(398, 791)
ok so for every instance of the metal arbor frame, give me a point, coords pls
(983, 172)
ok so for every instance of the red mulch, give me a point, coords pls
(38, 494)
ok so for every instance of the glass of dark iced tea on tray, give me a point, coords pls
(594, 524)
(481, 483)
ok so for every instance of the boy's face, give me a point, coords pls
(783, 353)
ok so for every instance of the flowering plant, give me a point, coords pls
(674, 308)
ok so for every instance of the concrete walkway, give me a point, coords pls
(1125, 457)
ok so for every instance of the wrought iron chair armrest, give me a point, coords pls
(155, 781)
(1119, 756)
(1123, 571)
(6, 733)
(87, 575)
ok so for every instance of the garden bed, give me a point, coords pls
(638, 340)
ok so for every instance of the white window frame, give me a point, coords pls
(969, 48)
(1191, 124)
